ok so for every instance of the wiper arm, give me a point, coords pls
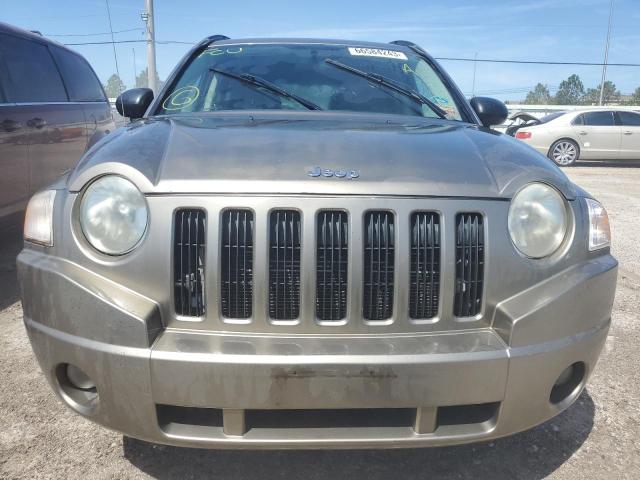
(391, 85)
(267, 85)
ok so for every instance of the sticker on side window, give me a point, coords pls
(377, 52)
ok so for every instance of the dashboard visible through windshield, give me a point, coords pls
(310, 77)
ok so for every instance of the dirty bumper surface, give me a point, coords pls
(220, 399)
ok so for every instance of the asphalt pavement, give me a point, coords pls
(597, 438)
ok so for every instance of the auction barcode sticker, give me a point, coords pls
(377, 52)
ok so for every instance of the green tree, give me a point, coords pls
(611, 94)
(635, 98)
(142, 80)
(114, 86)
(538, 96)
(570, 92)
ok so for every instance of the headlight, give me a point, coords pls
(113, 215)
(537, 220)
(38, 220)
(599, 230)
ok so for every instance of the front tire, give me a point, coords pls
(564, 152)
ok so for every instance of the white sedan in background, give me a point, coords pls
(585, 135)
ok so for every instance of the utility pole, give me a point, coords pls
(606, 55)
(473, 87)
(147, 17)
(135, 68)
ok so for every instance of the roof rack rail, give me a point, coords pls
(211, 39)
(217, 38)
(411, 45)
(406, 43)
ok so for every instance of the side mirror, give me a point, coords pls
(489, 110)
(133, 103)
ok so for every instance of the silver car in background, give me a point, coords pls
(315, 244)
(598, 134)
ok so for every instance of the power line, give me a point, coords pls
(606, 54)
(537, 62)
(164, 42)
(167, 42)
(93, 34)
(453, 59)
(509, 25)
(115, 56)
(57, 17)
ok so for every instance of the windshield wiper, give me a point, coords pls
(391, 85)
(267, 85)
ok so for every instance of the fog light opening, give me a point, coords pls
(79, 379)
(77, 388)
(568, 384)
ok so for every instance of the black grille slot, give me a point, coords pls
(424, 289)
(469, 264)
(236, 258)
(284, 265)
(189, 229)
(377, 303)
(331, 265)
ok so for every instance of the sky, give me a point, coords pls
(541, 30)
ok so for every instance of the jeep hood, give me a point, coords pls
(271, 153)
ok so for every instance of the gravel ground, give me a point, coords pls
(598, 437)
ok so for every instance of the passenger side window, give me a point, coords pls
(81, 82)
(31, 75)
(579, 120)
(630, 119)
(599, 119)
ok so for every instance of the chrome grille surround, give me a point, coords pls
(379, 260)
(332, 256)
(284, 264)
(469, 264)
(424, 279)
(189, 262)
(236, 263)
(260, 318)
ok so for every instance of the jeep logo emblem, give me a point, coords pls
(328, 172)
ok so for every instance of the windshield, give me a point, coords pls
(243, 77)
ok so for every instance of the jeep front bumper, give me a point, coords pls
(212, 389)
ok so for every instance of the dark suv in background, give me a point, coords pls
(52, 107)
